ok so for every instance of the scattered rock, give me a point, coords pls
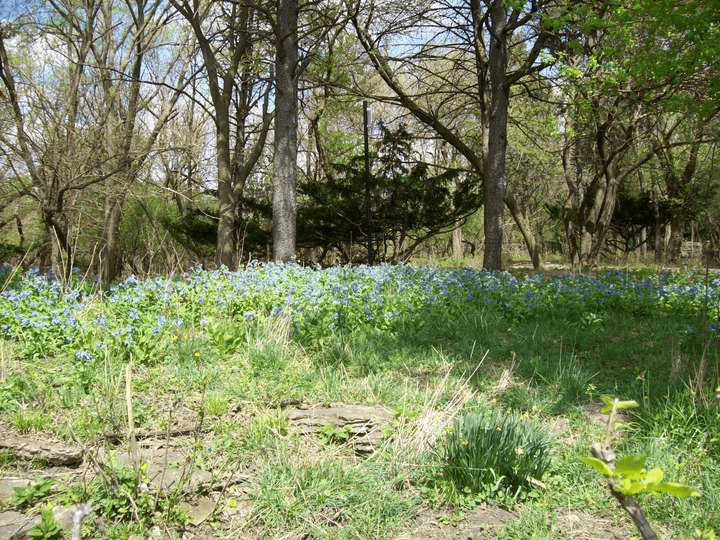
(166, 469)
(13, 523)
(7, 488)
(580, 525)
(17, 526)
(199, 511)
(28, 447)
(366, 423)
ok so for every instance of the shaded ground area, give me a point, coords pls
(203, 487)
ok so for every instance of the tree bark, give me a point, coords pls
(495, 179)
(533, 245)
(284, 204)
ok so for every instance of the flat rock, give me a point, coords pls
(17, 526)
(365, 422)
(14, 523)
(200, 510)
(7, 488)
(166, 469)
(29, 447)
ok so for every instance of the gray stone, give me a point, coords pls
(199, 511)
(28, 447)
(365, 422)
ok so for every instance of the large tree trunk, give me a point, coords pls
(677, 235)
(285, 157)
(225, 249)
(495, 180)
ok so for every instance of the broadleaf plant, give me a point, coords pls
(628, 476)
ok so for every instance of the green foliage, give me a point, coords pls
(333, 434)
(327, 498)
(120, 493)
(195, 229)
(683, 418)
(15, 390)
(26, 496)
(634, 211)
(486, 452)
(48, 528)
(630, 477)
(29, 421)
(408, 201)
(239, 344)
(609, 404)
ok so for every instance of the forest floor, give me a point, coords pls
(241, 429)
(171, 466)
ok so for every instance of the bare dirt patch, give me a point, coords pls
(207, 486)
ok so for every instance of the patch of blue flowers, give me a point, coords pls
(134, 316)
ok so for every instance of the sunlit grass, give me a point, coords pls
(416, 340)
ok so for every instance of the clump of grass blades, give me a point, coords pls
(494, 449)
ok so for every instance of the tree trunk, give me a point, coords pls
(457, 242)
(225, 248)
(285, 156)
(533, 245)
(495, 181)
(110, 261)
(677, 235)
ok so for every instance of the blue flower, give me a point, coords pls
(83, 355)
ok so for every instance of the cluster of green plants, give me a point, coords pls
(494, 455)
(231, 348)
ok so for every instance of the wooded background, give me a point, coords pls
(149, 136)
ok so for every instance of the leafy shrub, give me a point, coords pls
(27, 496)
(48, 528)
(120, 493)
(496, 450)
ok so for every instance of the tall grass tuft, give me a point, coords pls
(496, 450)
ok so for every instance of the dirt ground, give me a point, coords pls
(169, 466)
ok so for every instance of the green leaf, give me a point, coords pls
(596, 464)
(630, 404)
(608, 401)
(679, 490)
(629, 466)
(654, 476)
(628, 487)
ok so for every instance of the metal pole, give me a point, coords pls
(366, 123)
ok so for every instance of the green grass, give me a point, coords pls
(229, 371)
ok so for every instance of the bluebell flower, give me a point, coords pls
(83, 355)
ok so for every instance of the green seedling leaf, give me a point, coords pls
(608, 401)
(597, 464)
(679, 490)
(628, 487)
(630, 404)
(631, 467)
(654, 476)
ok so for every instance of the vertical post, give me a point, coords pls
(366, 124)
